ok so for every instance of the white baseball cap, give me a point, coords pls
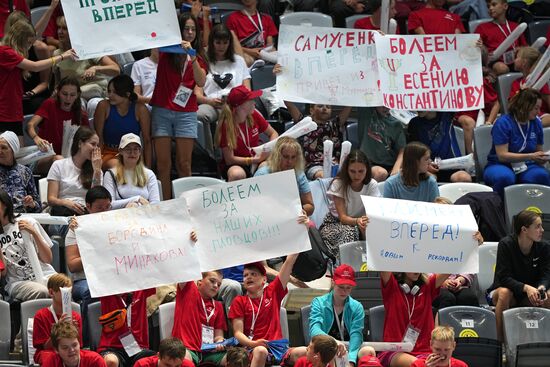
(129, 139)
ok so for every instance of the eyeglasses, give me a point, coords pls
(190, 29)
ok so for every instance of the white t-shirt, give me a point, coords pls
(130, 192)
(15, 253)
(354, 205)
(70, 240)
(67, 174)
(224, 75)
(144, 73)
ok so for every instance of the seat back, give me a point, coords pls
(472, 24)
(483, 141)
(36, 14)
(468, 321)
(319, 190)
(368, 290)
(43, 189)
(504, 85)
(284, 323)
(455, 190)
(166, 319)
(350, 21)
(5, 330)
(460, 139)
(304, 317)
(262, 77)
(307, 18)
(352, 134)
(546, 145)
(523, 325)
(127, 68)
(519, 197)
(537, 29)
(354, 254)
(94, 327)
(376, 323)
(183, 184)
(487, 264)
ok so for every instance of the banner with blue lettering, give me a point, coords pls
(248, 220)
(98, 27)
(414, 236)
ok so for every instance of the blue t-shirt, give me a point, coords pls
(507, 131)
(234, 273)
(301, 180)
(427, 190)
(437, 133)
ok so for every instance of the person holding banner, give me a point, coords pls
(64, 338)
(414, 181)
(287, 154)
(256, 316)
(65, 105)
(434, 19)
(70, 178)
(346, 220)
(46, 317)
(174, 113)
(517, 155)
(200, 319)
(25, 252)
(339, 315)
(408, 314)
(239, 115)
(15, 179)
(14, 65)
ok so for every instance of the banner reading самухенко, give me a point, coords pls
(107, 27)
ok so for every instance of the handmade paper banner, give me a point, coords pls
(414, 236)
(248, 220)
(328, 65)
(100, 28)
(137, 248)
(430, 72)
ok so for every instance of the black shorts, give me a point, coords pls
(16, 127)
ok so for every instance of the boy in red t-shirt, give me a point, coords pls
(171, 354)
(256, 316)
(199, 318)
(320, 352)
(46, 317)
(64, 337)
(495, 32)
(442, 344)
(434, 19)
(373, 22)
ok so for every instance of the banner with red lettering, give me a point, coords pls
(328, 65)
(430, 72)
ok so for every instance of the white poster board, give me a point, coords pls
(99, 27)
(430, 72)
(327, 65)
(247, 220)
(137, 248)
(414, 236)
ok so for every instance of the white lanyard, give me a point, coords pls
(254, 314)
(504, 33)
(524, 145)
(339, 323)
(184, 68)
(208, 317)
(246, 140)
(128, 312)
(409, 311)
(258, 26)
(53, 314)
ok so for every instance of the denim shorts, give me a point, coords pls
(168, 123)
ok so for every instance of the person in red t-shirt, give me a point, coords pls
(408, 316)
(434, 19)
(202, 13)
(46, 317)
(320, 352)
(110, 345)
(495, 32)
(171, 354)
(174, 112)
(199, 318)
(526, 60)
(5, 11)
(255, 31)
(64, 106)
(13, 66)
(442, 344)
(238, 131)
(64, 337)
(373, 22)
(256, 316)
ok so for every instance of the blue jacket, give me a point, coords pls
(321, 319)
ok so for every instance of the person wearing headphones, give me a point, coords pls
(408, 316)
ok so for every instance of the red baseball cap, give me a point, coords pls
(240, 95)
(256, 265)
(369, 361)
(344, 275)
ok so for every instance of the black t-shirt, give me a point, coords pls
(335, 331)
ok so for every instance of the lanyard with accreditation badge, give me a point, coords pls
(207, 330)
(254, 316)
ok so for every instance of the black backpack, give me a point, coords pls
(313, 264)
